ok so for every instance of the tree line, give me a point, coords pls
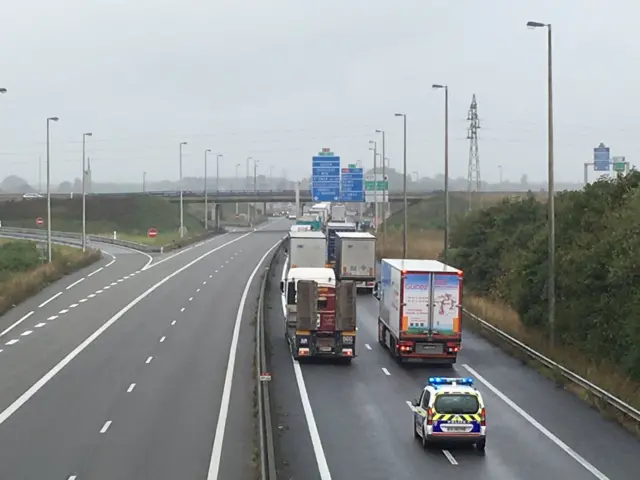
(503, 251)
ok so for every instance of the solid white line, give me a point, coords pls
(40, 325)
(95, 271)
(321, 459)
(26, 333)
(110, 263)
(368, 346)
(450, 457)
(76, 283)
(50, 299)
(162, 339)
(568, 450)
(386, 372)
(131, 387)
(105, 427)
(218, 439)
(82, 300)
(12, 342)
(31, 391)
(73, 305)
(11, 327)
(182, 309)
(173, 322)
(63, 311)
(149, 360)
(52, 317)
(147, 266)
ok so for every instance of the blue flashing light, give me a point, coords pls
(435, 381)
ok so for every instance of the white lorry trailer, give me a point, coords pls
(420, 310)
(356, 259)
(307, 249)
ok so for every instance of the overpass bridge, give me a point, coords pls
(249, 196)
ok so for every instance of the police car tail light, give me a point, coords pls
(429, 416)
(483, 418)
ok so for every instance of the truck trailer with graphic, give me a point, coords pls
(420, 308)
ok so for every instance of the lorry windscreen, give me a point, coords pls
(456, 403)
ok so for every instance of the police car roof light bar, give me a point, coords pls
(450, 381)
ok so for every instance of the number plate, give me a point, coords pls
(431, 348)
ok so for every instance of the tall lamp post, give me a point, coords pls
(551, 185)
(181, 194)
(404, 184)
(384, 179)
(446, 168)
(374, 149)
(206, 197)
(49, 120)
(84, 191)
(237, 183)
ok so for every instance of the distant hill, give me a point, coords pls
(15, 184)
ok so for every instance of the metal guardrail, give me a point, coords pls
(97, 238)
(268, 469)
(592, 388)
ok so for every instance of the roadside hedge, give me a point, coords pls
(503, 251)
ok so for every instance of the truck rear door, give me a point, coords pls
(446, 311)
(416, 315)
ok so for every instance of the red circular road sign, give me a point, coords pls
(39, 221)
(152, 232)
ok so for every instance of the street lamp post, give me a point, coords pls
(551, 184)
(375, 182)
(237, 183)
(206, 197)
(446, 168)
(404, 187)
(255, 190)
(181, 194)
(84, 191)
(49, 120)
(384, 179)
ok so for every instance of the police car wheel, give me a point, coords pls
(415, 431)
(480, 444)
(425, 443)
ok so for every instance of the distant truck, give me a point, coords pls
(338, 213)
(307, 249)
(420, 310)
(313, 221)
(332, 229)
(319, 314)
(356, 259)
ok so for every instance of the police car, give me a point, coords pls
(450, 410)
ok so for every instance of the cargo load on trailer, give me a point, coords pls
(332, 229)
(312, 221)
(356, 259)
(420, 310)
(307, 249)
(319, 314)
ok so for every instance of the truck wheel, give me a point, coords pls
(380, 334)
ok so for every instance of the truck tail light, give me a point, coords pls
(453, 347)
(405, 346)
(429, 416)
(347, 352)
(303, 352)
(483, 418)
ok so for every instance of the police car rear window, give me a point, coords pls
(456, 403)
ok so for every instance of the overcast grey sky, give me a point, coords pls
(280, 79)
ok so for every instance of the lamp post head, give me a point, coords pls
(207, 150)
(88, 134)
(3, 90)
(399, 114)
(53, 119)
(379, 131)
(536, 24)
(436, 85)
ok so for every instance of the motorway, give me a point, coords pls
(137, 367)
(354, 422)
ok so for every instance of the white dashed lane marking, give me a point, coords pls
(12, 342)
(386, 372)
(131, 387)
(26, 333)
(149, 360)
(105, 427)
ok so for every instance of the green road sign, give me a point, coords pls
(352, 165)
(326, 154)
(619, 166)
(369, 186)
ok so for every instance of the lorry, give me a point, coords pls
(307, 249)
(322, 210)
(356, 259)
(332, 229)
(338, 213)
(313, 221)
(319, 314)
(419, 310)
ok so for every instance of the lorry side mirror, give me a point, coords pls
(414, 402)
(282, 286)
(376, 290)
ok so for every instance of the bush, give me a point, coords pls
(18, 285)
(504, 253)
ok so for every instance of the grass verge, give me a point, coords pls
(428, 245)
(17, 287)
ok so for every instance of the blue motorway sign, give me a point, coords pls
(325, 178)
(352, 185)
(601, 159)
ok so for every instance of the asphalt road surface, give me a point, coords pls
(141, 369)
(354, 422)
